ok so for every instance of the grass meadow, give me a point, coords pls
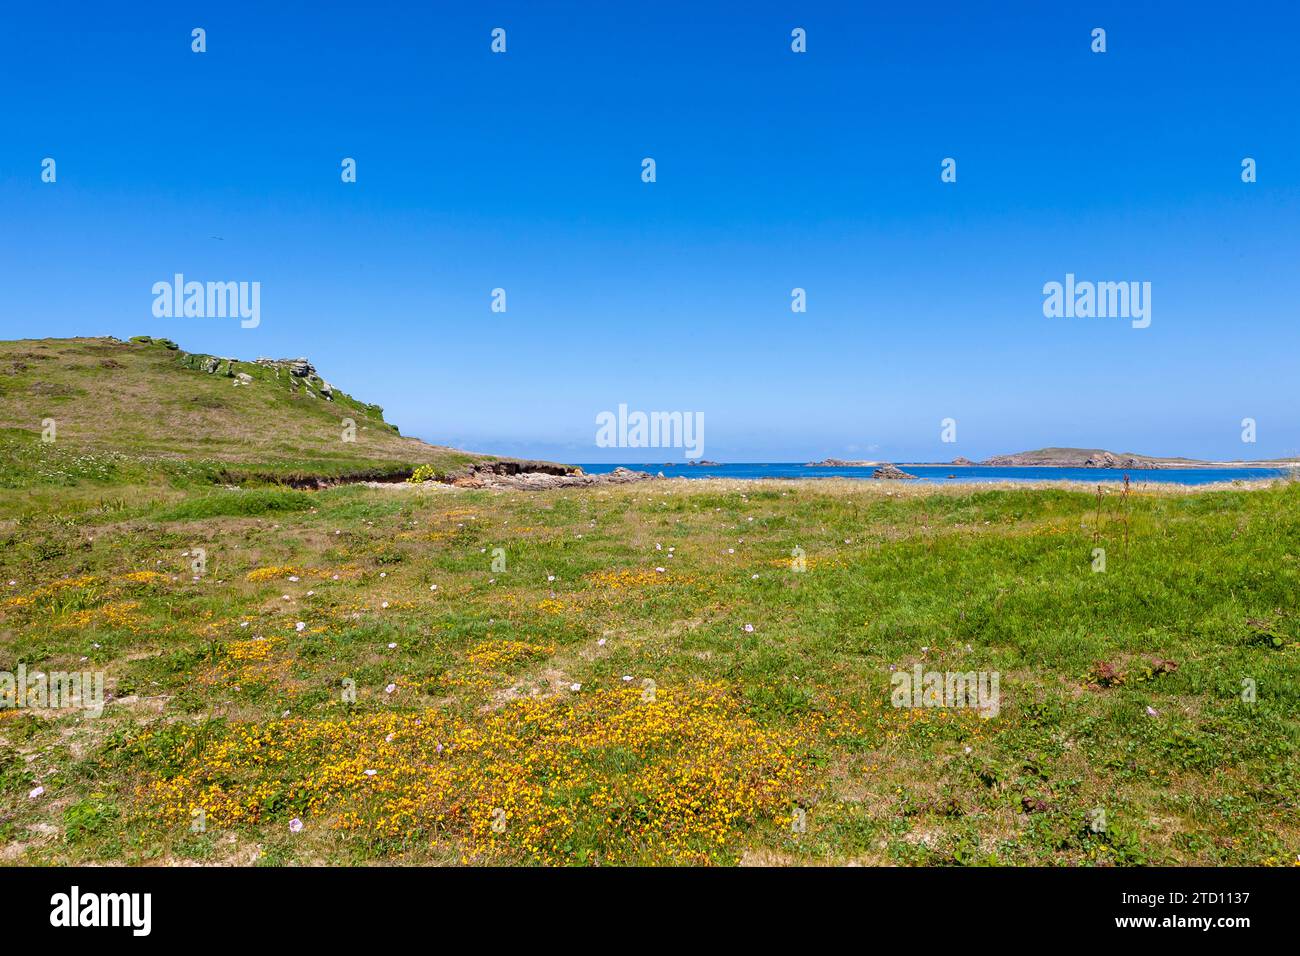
(670, 672)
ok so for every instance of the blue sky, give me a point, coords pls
(775, 170)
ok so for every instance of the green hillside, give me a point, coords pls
(120, 409)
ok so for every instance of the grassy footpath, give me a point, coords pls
(641, 675)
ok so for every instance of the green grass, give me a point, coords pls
(238, 503)
(1197, 601)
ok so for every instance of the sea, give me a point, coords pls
(952, 474)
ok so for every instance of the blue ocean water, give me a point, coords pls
(952, 474)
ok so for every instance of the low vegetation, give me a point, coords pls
(654, 674)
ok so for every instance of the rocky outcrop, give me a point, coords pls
(892, 472)
(301, 372)
(210, 364)
(514, 466)
(1108, 460)
(150, 340)
(555, 477)
(1104, 460)
(962, 461)
(841, 463)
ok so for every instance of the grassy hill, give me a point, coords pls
(146, 406)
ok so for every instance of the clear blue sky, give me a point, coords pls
(775, 170)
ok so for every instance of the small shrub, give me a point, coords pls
(87, 817)
(426, 473)
(1106, 675)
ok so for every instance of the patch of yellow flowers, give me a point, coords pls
(120, 615)
(258, 650)
(255, 662)
(501, 655)
(144, 577)
(278, 572)
(47, 590)
(619, 580)
(605, 776)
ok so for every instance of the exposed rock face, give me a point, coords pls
(553, 477)
(296, 366)
(519, 467)
(964, 462)
(303, 372)
(1104, 460)
(841, 463)
(891, 472)
(1108, 460)
(211, 364)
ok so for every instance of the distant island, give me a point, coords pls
(1087, 458)
(1070, 458)
(842, 463)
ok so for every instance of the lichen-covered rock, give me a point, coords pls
(541, 481)
(150, 340)
(1104, 460)
(537, 476)
(891, 472)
